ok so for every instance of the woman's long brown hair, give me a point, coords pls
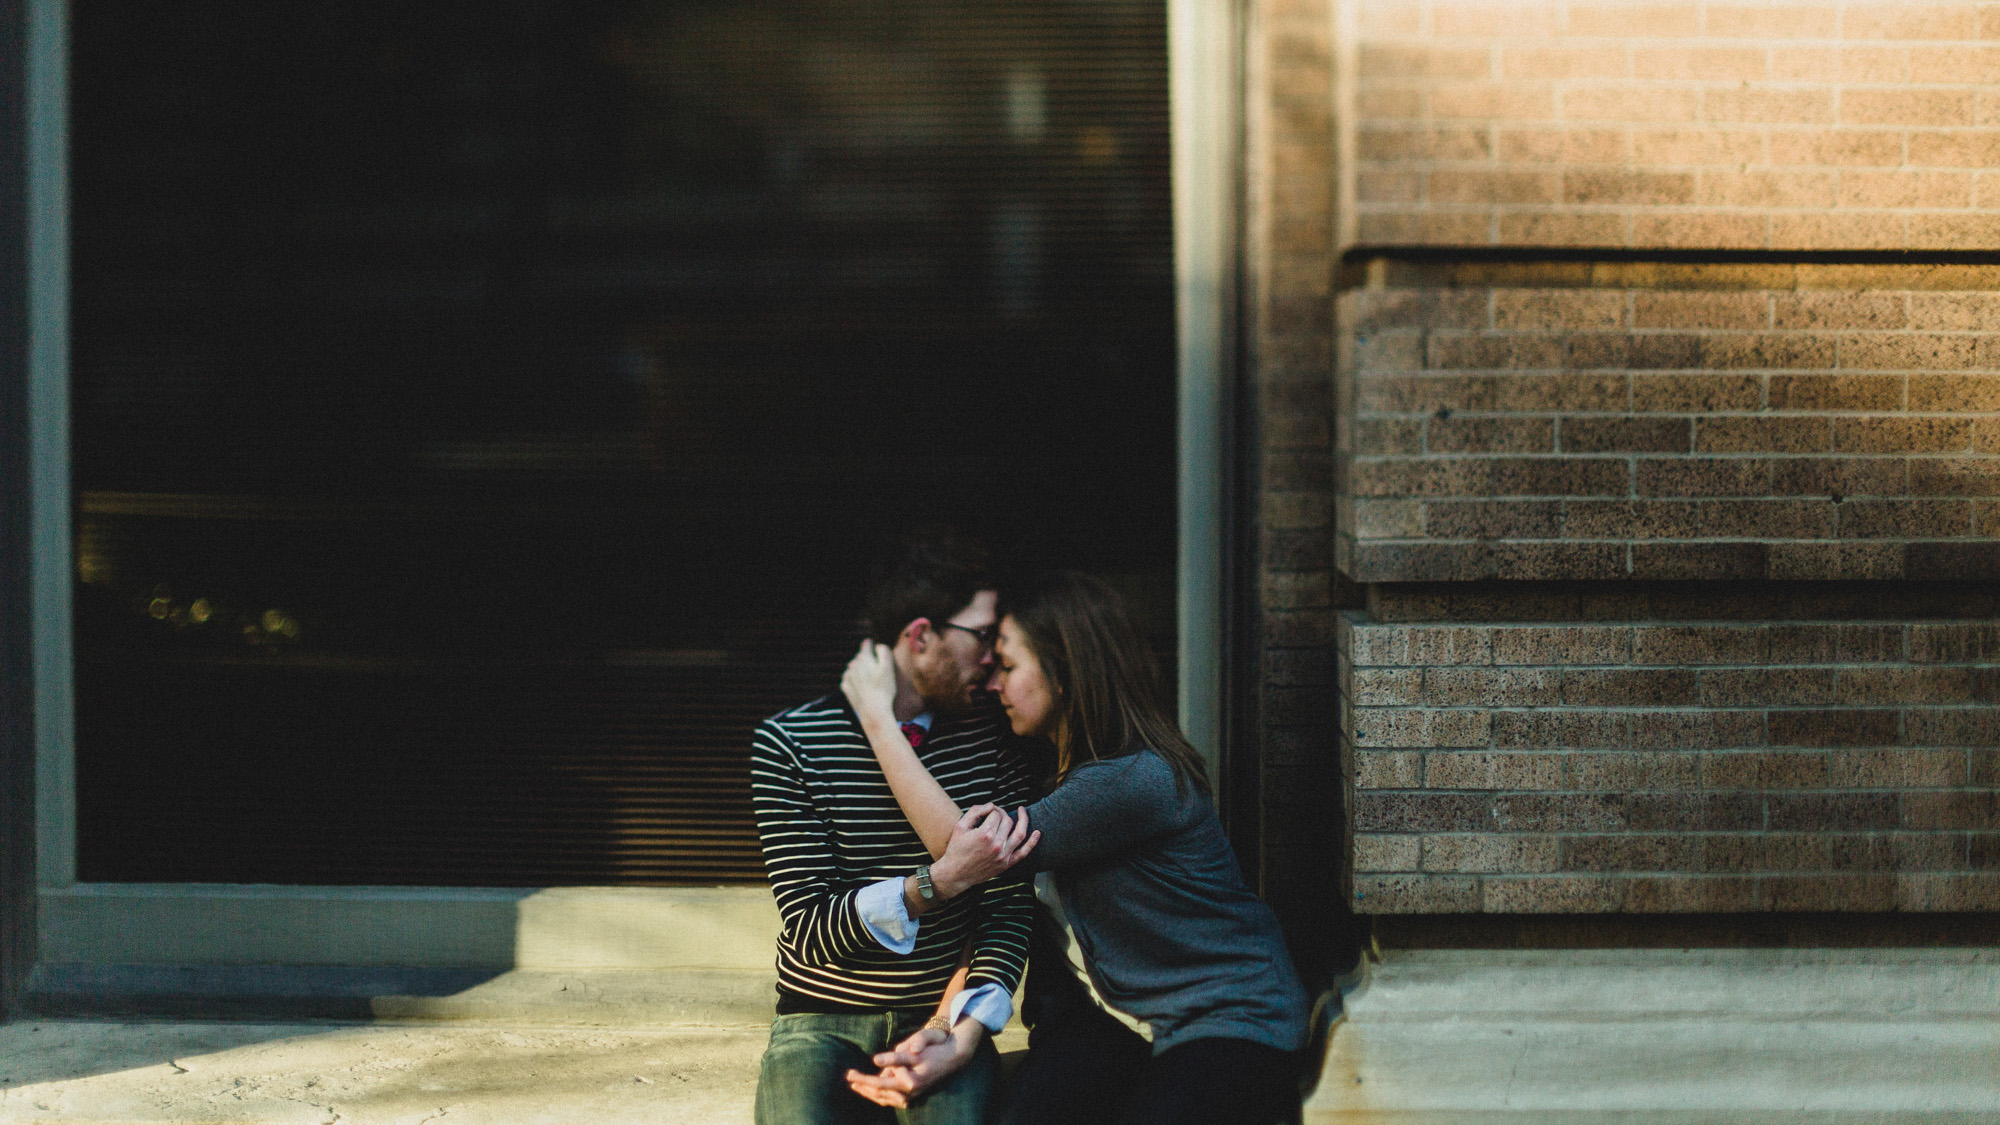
(1106, 683)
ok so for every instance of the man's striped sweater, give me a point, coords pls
(830, 826)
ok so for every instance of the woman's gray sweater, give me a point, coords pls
(1169, 931)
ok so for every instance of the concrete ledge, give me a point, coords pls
(1667, 1036)
(194, 924)
(617, 998)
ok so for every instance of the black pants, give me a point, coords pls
(1085, 1068)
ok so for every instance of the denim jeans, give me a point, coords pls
(803, 1080)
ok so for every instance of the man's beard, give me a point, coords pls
(943, 692)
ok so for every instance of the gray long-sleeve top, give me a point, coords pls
(1169, 932)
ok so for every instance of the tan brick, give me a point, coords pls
(1626, 103)
(1617, 772)
(1374, 853)
(1490, 687)
(1910, 20)
(1628, 687)
(1834, 392)
(1506, 101)
(1839, 476)
(1702, 644)
(1856, 230)
(1559, 645)
(1388, 187)
(1753, 687)
(1716, 64)
(1956, 232)
(1400, 770)
(1897, 769)
(1562, 61)
(1558, 308)
(1489, 18)
(1623, 19)
(1597, 434)
(1905, 519)
(1766, 20)
(1475, 434)
(1415, 894)
(1839, 148)
(1484, 770)
(1542, 228)
(1957, 893)
(1696, 730)
(1434, 143)
(1821, 310)
(1378, 60)
(1955, 393)
(1422, 228)
(1627, 188)
(1684, 309)
(1697, 146)
(1388, 519)
(1905, 189)
(1699, 394)
(1482, 853)
(1927, 434)
(1408, 645)
(1551, 894)
(1776, 105)
(1834, 561)
(1836, 644)
(1906, 685)
(1909, 106)
(1823, 893)
(1788, 434)
(1955, 641)
(1955, 312)
(1704, 476)
(1296, 510)
(1767, 350)
(1562, 146)
(1869, 63)
(1701, 230)
(1690, 894)
(1631, 853)
(1484, 519)
(1833, 728)
(1380, 101)
(1956, 149)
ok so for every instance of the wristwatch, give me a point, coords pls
(924, 889)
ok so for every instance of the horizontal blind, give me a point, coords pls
(486, 412)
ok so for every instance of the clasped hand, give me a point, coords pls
(917, 1063)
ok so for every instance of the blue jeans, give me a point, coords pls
(803, 1080)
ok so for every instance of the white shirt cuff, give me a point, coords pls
(886, 917)
(989, 1004)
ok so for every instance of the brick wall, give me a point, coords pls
(1665, 767)
(1669, 498)
(1760, 123)
(1295, 857)
(1722, 422)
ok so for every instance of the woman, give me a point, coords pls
(1162, 991)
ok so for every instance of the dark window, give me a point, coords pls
(486, 411)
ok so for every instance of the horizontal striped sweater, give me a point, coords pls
(830, 826)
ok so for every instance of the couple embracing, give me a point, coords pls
(997, 784)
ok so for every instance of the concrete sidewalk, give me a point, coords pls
(73, 1072)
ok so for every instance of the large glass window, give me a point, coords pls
(486, 411)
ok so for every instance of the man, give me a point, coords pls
(883, 949)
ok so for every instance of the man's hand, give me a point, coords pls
(870, 683)
(984, 843)
(918, 1063)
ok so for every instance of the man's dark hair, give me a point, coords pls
(935, 574)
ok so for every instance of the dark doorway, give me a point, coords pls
(485, 412)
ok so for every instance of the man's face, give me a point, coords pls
(957, 656)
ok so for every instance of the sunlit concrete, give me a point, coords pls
(413, 927)
(1464, 1037)
(69, 1073)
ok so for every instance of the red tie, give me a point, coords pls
(915, 732)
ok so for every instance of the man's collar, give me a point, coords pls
(925, 720)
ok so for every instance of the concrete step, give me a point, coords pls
(99, 1073)
(1663, 1037)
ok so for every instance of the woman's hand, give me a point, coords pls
(870, 682)
(918, 1063)
(984, 843)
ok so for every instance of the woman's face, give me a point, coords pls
(1017, 679)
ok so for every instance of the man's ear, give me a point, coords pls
(915, 631)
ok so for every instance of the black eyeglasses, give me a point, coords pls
(986, 636)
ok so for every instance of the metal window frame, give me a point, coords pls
(90, 921)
